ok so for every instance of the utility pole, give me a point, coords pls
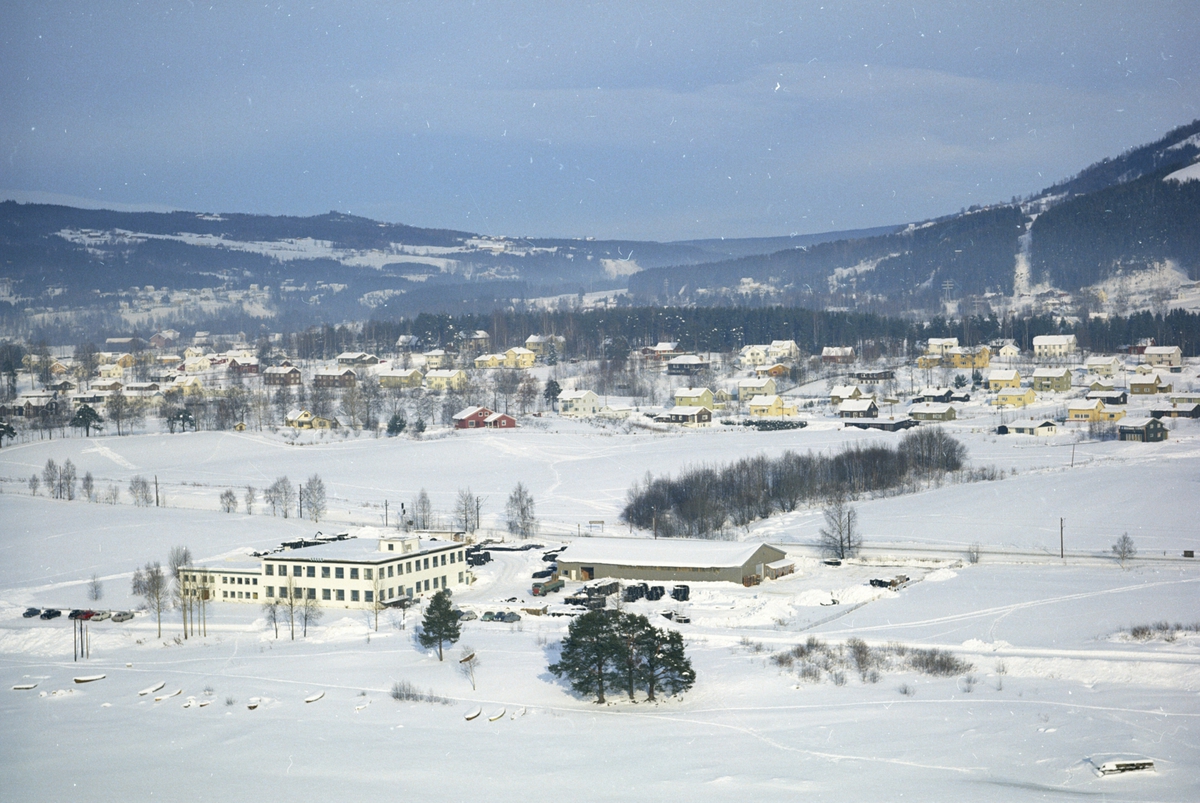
(300, 503)
(1062, 553)
(156, 490)
(385, 513)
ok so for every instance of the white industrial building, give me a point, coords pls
(373, 567)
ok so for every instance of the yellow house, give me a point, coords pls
(1092, 410)
(694, 397)
(190, 385)
(518, 357)
(446, 379)
(1003, 379)
(1014, 397)
(979, 357)
(300, 419)
(406, 378)
(489, 361)
(770, 406)
(749, 388)
(927, 361)
(112, 371)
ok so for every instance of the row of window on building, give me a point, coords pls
(339, 594)
(339, 572)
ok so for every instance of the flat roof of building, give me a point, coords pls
(358, 550)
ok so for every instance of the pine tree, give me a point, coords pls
(440, 623)
(664, 665)
(632, 631)
(588, 654)
(87, 419)
(550, 394)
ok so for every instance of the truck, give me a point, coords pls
(543, 587)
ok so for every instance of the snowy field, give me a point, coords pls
(1056, 689)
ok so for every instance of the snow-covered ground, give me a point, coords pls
(1057, 689)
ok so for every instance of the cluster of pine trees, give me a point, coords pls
(611, 650)
(703, 502)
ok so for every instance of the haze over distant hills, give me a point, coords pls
(1130, 215)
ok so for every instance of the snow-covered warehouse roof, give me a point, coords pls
(667, 559)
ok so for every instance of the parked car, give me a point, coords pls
(488, 616)
(86, 615)
(75, 614)
(467, 616)
(100, 616)
(32, 612)
(122, 616)
(543, 573)
(51, 613)
(509, 617)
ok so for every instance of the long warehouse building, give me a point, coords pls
(673, 560)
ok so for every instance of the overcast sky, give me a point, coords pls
(648, 120)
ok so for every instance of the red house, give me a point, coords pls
(500, 421)
(483, 418)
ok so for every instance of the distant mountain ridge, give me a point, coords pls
(1115, 218)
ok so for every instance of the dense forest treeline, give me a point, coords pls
(611, 333)
(704, 502)
(1091, 237)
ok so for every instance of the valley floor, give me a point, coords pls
(1055, 688)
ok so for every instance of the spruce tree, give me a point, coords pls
(588, 654)
(663, 662)
(440, 623)
(632, 631)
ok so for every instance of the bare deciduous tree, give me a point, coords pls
(139, 489)
(291, 603)
(95, 589)
(466, 510)
(314, 498)
(422, 511)
(249, 499)
(311, 611)
(270, 610)
(151, 585)
(839, 538)
(1124, 550)
(519, 510)
(468, 662)
(178, 558)
(88, 486)
(228, 501)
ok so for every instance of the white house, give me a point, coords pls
(578, 403)
(1102, 365)
(754, 356)
(1163, 355)
(783, 350)
(1054, 347)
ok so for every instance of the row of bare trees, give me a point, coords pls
(704, 502)
(180, 586)
(292, 604)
